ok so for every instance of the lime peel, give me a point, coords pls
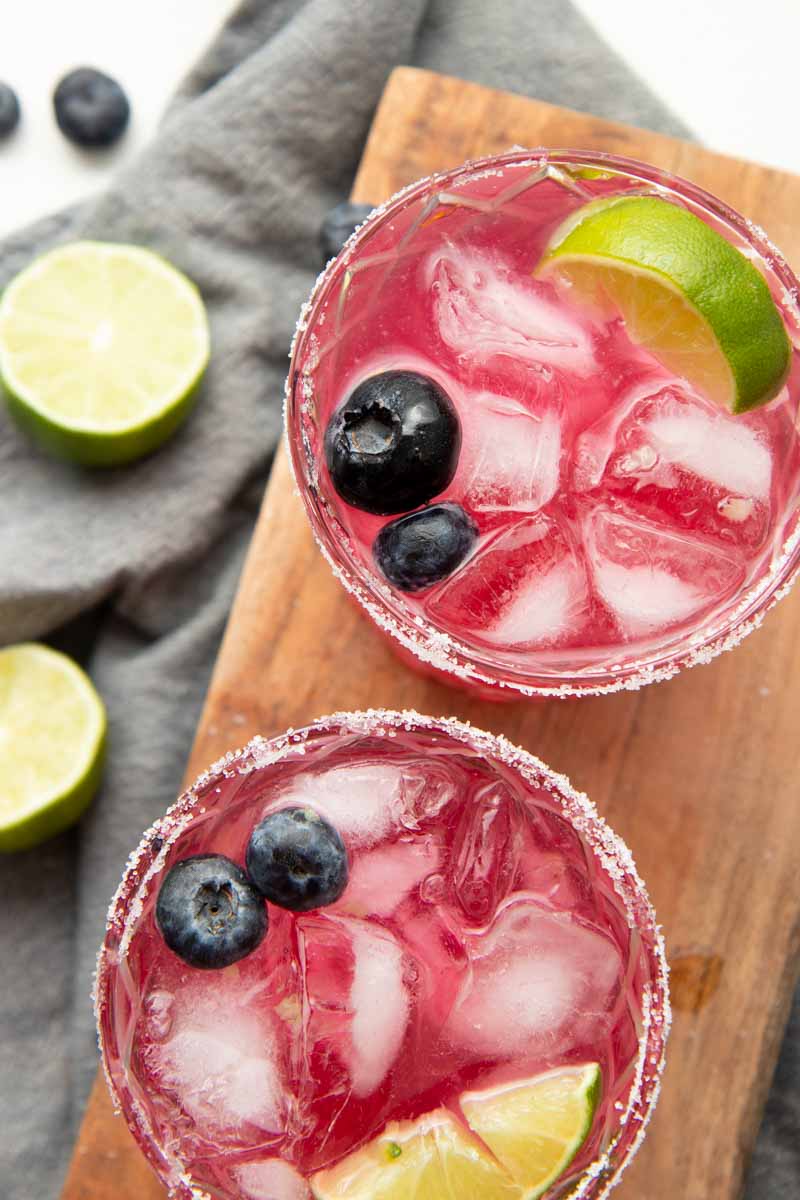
(517, 1141)
(434, 1157)
(102, 346)
(52, 743)
(684, 291)
(536, 1127)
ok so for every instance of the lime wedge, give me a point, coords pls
(535, 1128)
(52, 734)
(684, 292)
(432, 1158)
(101, 349)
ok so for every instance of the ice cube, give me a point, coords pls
(359, 1004)
(552, 865)
(427, 789)
(433, 936)
(541, 612)
(483, 308)
(380, 1005)
(270, 1179)
(652, 577)
(675, 452)
(366, 802)
(362, 800)
(158, 1007)
(524, 588)
(486, 851)
(219, 1059)
(712, 445)
(382, 879)
(609, 435)
(511, 457)
(537, 978)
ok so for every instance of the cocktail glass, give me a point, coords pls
(620, 524)
(493, 932)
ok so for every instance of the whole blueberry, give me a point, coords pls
(208, 911)
(417, 551)
(9, 110)
(297, 859)
(394, 443)
(91, 108)
(338, 224)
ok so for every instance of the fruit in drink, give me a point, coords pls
(399, 951)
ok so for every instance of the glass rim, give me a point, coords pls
(144, 867)
(427, 642)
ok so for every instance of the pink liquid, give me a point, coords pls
(625, 523)
(492, 928)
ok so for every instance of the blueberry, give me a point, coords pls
(416, 551)
(297, 859)
(91, 108)
(393, 444)
(208, 911)
(338, 224)
(9, 110)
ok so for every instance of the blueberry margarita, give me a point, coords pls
(542, 412)
(383, 956)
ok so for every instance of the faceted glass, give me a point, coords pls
(493, 928)
(626, 525)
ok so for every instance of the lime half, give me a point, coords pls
(52, 734)
(432, 1158)
(684, 292)
(101, 349)
(535, 1128)
(529, 1134)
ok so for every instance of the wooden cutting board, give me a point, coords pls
(697, 774)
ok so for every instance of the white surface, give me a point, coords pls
(726, 67)
(147, 46)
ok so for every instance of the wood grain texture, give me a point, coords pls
(697, 774)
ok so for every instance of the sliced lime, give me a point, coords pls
(535, 1128)
(101, 349)
(684, 291)
(432, 1158)
(52, 734)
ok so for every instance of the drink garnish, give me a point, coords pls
(394, 442)
(685, 292)
(297, 859)
(209, 913)
(533, 1128)
(418, 550)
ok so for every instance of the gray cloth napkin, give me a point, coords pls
(134, 570)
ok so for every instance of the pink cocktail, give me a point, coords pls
(489, 930)
(601, 520)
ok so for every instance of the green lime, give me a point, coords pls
(101, 350)
(52, 735)
(432, 1158)
(535, 1128)
(684, 292)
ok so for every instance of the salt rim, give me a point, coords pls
(433, 646)
(259, 753)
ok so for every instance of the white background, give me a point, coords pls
(728, 68)
(147, 45)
